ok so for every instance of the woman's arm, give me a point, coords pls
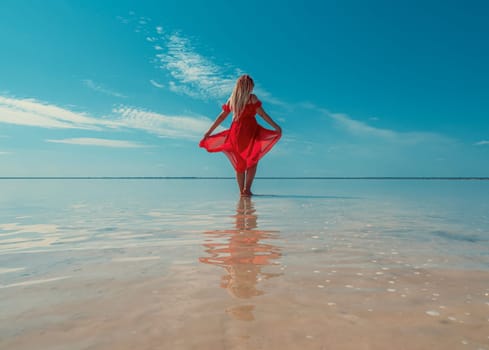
(220, 118)
(261, 112)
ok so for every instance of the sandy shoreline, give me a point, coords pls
(129, 305)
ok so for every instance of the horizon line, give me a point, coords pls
(232, 177)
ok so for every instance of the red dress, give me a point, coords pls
(245, 142)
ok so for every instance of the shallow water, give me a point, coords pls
(178, 264)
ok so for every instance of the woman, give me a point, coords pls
(245, 142)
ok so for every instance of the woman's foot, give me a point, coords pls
(246, 193)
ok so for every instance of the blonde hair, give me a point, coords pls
(241, 94)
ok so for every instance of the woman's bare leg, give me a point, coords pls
(250, 176)
(240, 177)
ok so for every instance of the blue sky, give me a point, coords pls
(360, 88)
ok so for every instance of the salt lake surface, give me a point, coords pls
(182, 264)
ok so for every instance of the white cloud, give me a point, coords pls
(193, 73)
(30, 112)
(4, 153)
(482, 143)
(97, 87)
(183, 89)
(86, 141)
(198, 76)
(360, 128)
(156, 84)
(184, 127)
(264, 95)
(123, 19)
(196, 72)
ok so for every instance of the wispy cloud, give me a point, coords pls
(29, 112)
(4, 153)
(482, 143)
(199, 76)
(269, 98)
(156, 84)
(360, 128)
(192, 73)
(363, 129)
(193, 70)
(180, 127)
(86, 141)
(99, 88)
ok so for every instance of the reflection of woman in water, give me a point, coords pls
(242, 255)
